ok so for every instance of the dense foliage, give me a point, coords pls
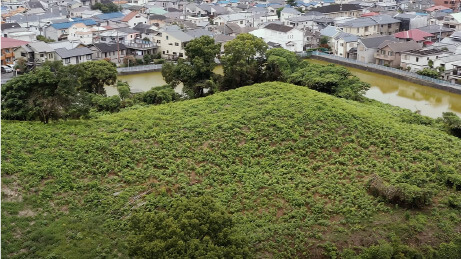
(196, 70)
(429, 72)
(54, 91)
(291, 166)
(44, 39)
(106, 7)
(189, 228)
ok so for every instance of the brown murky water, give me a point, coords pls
(429, 101)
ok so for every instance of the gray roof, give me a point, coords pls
(222, 38)
(347, 37)
(400, 46)
(374, 42)
(67, 53)
(359, 22)
(435, 29)
(291, 10)
(127, 30)
(384, 19)
(196, 33)
(40, 46)
(180, 35)
(279, 27)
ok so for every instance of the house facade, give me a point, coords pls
(287, 37)
(389, 53)
(73, 56)
(415, 60)
(8, 48)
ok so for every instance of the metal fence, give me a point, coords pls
(390, 69)
(144, 68)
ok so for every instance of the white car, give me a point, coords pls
(7, 69)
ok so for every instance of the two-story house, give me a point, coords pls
(36, 53)
(8, 47)
(345, 45)
(288, 13)
(73, 56)
(60, 31)
(340, 10)
(389, 52)
(80, 32)
(287, 37)
(171, 41)
(421, 37)
(367, 47)
(415, 60)
(110, 51)
(453, 21)
(373, 25)
(135, 18)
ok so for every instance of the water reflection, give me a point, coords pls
(429, 101)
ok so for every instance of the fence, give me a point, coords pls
(145, 68)
(390, 69)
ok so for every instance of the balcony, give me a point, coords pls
(384, 57)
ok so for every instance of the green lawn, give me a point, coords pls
(289, 163)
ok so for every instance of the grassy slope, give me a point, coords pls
(288, 162)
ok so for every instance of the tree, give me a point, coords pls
(129, 60)
(279, 12)
(95, 75)
(148, 59)
(242, 61)
(197, 69)
(430, 63)
(324, 42)
(123, 89)
(159, 95)
(452, 123)
(281, 63)
(106, 7)
(429, 73)
(44, 93)
(21, 65)
(330, 79)
(189, 228)
(44, 39)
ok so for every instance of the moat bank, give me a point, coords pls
(429, 101)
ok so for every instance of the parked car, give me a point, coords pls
(7, 69)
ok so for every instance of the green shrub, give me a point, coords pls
(103, 103)
(403, 194)
(454, 180)
(159, 95)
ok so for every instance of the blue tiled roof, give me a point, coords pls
(328, 1)
(223, 2)
(108, 16)
(261, 5)
(65, 25)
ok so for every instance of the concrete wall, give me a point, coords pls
(389, 73)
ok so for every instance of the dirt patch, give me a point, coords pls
(12, 192)
(280, 212)
(27, 213)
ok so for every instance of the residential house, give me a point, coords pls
(287, 37)
(73, 56)
(139, 47)
(367, 47)
(451, 4)
(134, 18)
(171, 42)
(288, 13)
(450, 64)
(452, 43)
(421, 37)
(236, 18)
(8, 46)
(453, 21)
(36, 52)
(438, 31)
(366, 26)
(389, 52)
(416, 60)
(345, 45)
(157, 20)
(409, 21)
(110, 51)
(60, 31)
(78, 12)
(340, 10)
(80, 32)
(454, 75)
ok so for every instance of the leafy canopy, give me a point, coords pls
(190, 228)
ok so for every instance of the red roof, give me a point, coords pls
(369, 14)
(415, 34)
(129, 16)
(11, 43)
(437, 8)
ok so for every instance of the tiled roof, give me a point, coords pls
(65, 25)
(278, 27)
(108, 16)
(414, 34)
(11, 43)
(105, 47)
(67, 53)
(129, 16)
(400, 46)
(374, 42)
(337, 8)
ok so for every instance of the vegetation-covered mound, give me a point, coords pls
(302, 173)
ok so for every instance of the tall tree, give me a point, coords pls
(196, 69)
(242, 61)
(280, 64)
(194, 228)
(95, 75)
(45, 93)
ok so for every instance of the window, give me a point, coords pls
(163, 52)
(167, 37)
(158, 41)
(390, 53)
(7, 59)
(174, 53)
(88, 56)
(167, 51)
(241, 22)
(42, 55)
(181, 55)
(358, 30)
(176, 44)
(50, 55)
(80, 57)
(417, 59)
(366, 28)
(67, 60)
(7, 50)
